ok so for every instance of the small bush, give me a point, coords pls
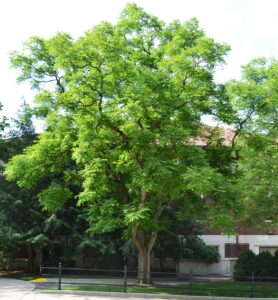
(195, 248)
(245, 265)
(276, 263)
(265, 265)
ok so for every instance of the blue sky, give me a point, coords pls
(250, 27)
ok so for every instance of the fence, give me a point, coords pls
(163, 282)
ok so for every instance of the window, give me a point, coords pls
(234, 250)
(270, 249)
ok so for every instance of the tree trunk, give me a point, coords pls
(144, 268)
(38, 259)
(144, 242)
(30, 259)
(7, 264)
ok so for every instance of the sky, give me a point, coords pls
(250, 27)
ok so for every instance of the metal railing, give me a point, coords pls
(184, 284)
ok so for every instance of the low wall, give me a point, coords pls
(224, 267)
(14, 264)
(168, 264)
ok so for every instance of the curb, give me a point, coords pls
(123, 295)
(141, 295)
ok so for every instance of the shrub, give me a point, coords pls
(276, 263)
(264, 265)
(245, 265)
(195, 248)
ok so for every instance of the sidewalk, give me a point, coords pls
(66, 295)
(52, 282)
(12, 289)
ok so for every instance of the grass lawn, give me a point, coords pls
(204, 289)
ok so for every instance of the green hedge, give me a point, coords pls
(263, 265)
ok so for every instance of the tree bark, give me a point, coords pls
(144, 268)
(30, 259)
(144, 242)
(38, 258)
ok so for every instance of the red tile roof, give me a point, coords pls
(214, 135)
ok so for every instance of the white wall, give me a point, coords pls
(223, 267)
(254, 241)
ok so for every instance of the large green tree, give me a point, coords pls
(125, 102)
(254, 99)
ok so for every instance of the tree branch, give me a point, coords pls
(117, 130)
(151, 241)
(239, 129)
(143, 197)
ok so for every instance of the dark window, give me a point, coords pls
(234, 250)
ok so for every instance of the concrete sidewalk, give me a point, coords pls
(66, 295)
(14, 289)
(79, 295)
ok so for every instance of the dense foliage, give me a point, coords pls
(181, 240)
(123, 102)
(263, 265)
(123, 107)
(59, 235)
(255, 102)
(34, 233)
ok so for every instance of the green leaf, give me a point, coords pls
(54, 197)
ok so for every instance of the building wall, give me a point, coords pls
(255, 241)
